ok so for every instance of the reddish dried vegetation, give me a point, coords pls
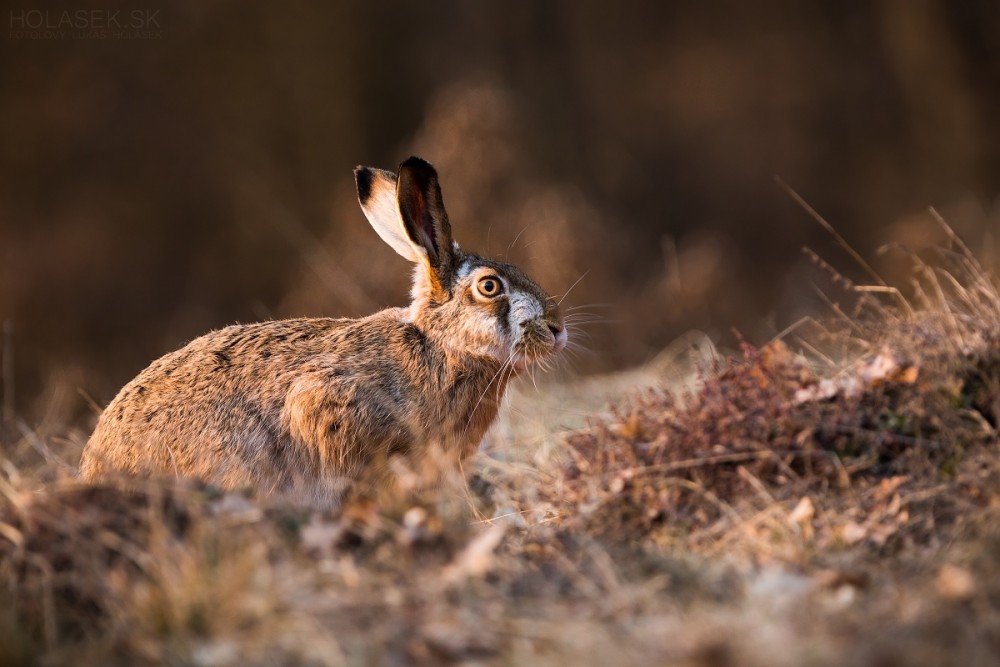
(761, 431)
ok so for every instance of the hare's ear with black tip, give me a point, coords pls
(408, 213)
(377, 196)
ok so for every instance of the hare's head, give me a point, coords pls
(476, 305)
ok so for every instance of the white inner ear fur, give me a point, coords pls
(382, 211)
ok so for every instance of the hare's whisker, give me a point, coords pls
(591, 322)
(589, 305)
(514, 242)
(566, 293)
(577, 333)
(503, 366)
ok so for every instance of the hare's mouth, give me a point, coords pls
(539, 342)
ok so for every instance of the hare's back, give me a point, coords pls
(251, 360)
(211, 409)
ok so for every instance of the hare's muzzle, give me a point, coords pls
(539, 338)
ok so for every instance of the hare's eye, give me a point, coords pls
(490, 286)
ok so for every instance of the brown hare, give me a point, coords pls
(302, 407)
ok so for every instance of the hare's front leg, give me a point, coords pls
(342, 425)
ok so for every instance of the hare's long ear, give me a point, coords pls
(424, 218)
(408, 213)
(377, 195)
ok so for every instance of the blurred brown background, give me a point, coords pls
(155, 187)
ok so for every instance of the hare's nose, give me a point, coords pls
(559, 337)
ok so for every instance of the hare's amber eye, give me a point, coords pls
(489, 286)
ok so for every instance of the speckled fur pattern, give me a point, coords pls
(302, 407)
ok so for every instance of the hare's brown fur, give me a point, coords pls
(293, 398)
(303, 406)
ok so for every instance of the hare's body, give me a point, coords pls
(304, 406)
(296, 406)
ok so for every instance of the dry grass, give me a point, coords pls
(835, 506)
